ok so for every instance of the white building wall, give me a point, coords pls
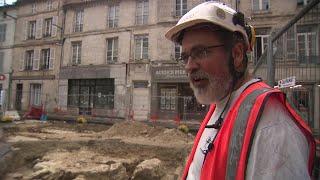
(6, 47)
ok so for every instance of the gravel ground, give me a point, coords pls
(58, 150)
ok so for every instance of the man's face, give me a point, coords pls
(209, 75)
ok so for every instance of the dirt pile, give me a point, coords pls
(133, 129)
(140, 133)
(73, 151)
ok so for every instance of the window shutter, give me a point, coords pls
(52, 57)
(1, 61)
(39, 29)
(54, 27)
(36, 59)
(73, 29)
(25, 30)
(22, 56)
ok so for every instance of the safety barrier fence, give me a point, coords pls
(291, 62)
(153, 108)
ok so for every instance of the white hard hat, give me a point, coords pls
(208, 12)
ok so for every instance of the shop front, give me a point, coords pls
(172, 97)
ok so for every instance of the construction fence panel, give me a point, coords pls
(295, 56)
(96, 105)
(177, 108)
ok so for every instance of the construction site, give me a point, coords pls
(91, 89)
(70, 150)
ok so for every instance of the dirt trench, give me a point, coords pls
(86, 151)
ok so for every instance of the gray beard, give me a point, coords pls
(216, 90)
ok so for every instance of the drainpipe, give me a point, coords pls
(62, 40)
(128, 69)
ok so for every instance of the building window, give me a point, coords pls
(3, 29)
(1, 62)
(76, 53)
(112, 50)
(177, 51)
(45, 59)
(49, 5)
(260, 46)
(47, 27)
(32, 30)
(302, 2)
(142, 12)
(291, 43)
(35, 94)
(301, 100)
(141, 47)
(307, 44)
(181, 7)
(33, 8)
(168, 98)
(78, 21)
(28, 65)
(88, 93)
(113, 17)
(260, 5)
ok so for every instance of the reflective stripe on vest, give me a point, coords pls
(238, 131)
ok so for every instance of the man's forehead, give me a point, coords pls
(198, 38)
(205, 26)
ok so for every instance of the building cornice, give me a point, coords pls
(133, 29)
(37, 43)
(37, 13)
(94, 66)
(270, 16)
(45, 77)
(75, 4)
(6, 47)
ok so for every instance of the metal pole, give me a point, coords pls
(9, 90)
(270, 63)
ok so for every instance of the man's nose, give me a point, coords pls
(191, 65)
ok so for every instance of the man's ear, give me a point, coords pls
(237, 54)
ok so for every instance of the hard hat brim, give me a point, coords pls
(174, 32)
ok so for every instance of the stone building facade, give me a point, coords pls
(37, 54)
(7, 29)
(110, 58)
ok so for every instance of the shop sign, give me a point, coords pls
(287, 82)
(170, 73)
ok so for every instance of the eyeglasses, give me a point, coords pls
(196, 53)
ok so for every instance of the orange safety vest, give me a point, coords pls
(228, 159)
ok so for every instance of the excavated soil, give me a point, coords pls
(57, 150)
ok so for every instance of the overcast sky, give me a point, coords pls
(7, 1)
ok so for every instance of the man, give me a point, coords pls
(250, 132)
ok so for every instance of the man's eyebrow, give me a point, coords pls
(197, 47)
